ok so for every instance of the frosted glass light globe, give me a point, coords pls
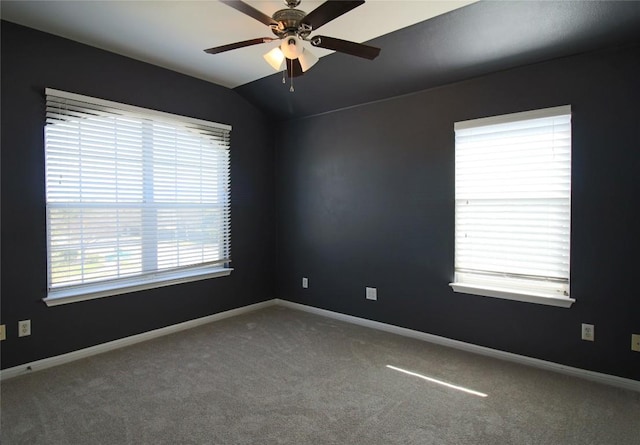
(291, 47)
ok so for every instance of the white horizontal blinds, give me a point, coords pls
(132, 192)
(190, 192)
(513, 201)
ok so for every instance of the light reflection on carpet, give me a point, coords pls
(439, 382)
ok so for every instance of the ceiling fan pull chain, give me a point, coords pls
(291, 90)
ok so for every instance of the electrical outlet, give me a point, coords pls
(3, 332)
(588, 332)
(24, 328)
(305, 282)
(635, 342)
(371, 293)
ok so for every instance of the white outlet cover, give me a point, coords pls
(635, 342)
(588, 332)
(371, 293)
(24, 328)
(305, 282)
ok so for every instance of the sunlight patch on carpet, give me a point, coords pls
(439, 382)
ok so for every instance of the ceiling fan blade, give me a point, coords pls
(345, 46)
(294, 69)
(328, 11)
(250, 11)
(229, 47)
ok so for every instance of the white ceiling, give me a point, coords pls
(173, 34)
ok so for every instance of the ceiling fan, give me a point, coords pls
(293, 27)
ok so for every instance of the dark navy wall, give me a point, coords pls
(32, 61)
(366, 198)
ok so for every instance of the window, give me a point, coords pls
(135, 198)
(513, 206)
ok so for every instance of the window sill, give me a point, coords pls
(73, 295)
(548, 300)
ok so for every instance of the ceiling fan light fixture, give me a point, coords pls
(275, 58)
(307, 59)
(291, 47)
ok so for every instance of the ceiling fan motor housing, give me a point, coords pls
(290, 23)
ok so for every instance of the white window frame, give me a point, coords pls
(63, 107)
(550, 290)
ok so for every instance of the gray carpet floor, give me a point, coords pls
(280, 376)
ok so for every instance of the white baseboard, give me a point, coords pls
(127, 341)
(598, 377)
(606, 379)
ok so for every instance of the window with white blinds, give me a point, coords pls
(135, 198)
(513, 206)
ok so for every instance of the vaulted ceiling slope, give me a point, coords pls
(173, 33)
(471, 41)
